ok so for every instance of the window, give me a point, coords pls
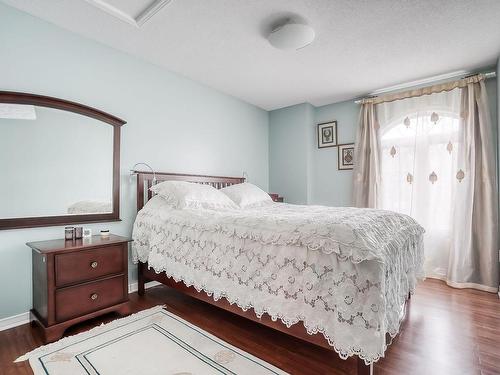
(420, 167)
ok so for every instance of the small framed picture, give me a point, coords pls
(327, 134)
(346, 156)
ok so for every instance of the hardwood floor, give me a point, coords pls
(448, 331)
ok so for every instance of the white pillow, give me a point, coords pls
(181, 194)
(156, 204)
(247, 195)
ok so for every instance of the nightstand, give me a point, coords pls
(276, 197)
(78, 280)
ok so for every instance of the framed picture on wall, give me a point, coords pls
(346, 156)
(327, 134)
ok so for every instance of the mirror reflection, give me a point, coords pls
(53, 162)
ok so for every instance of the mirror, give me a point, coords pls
(59, 162)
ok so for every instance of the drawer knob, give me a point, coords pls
(93, 264)
(94, 296)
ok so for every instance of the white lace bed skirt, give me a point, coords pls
(354, 305)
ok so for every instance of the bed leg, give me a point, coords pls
(140, 279)
(409, 295)
(363, 369)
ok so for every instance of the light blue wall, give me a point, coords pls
(174, 124)
(290, 152)
(331, 186)
(299, 170)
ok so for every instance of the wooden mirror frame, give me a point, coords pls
(65, 105)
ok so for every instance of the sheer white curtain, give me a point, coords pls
(429, 153)
(422, 168)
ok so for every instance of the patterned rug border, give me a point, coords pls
(70, 340)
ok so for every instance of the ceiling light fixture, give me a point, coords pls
(291, 35)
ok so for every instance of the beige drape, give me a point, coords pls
(366, 156)
(473, 256)
(427, 90)
(473, 260)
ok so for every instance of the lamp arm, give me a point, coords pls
(132, 171)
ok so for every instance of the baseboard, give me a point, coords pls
(14, 321)
(24, 318)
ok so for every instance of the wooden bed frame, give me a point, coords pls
(144, 182)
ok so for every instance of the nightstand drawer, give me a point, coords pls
(75, 301)
(89, 264)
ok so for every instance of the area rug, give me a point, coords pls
(153, 341)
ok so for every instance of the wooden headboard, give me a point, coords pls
(145, 181)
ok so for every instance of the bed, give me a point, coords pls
(336, 277)
(90, 207)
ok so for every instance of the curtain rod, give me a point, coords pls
(423, 81)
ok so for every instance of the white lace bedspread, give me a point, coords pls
(345, 272)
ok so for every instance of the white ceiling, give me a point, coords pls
(360, 46)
